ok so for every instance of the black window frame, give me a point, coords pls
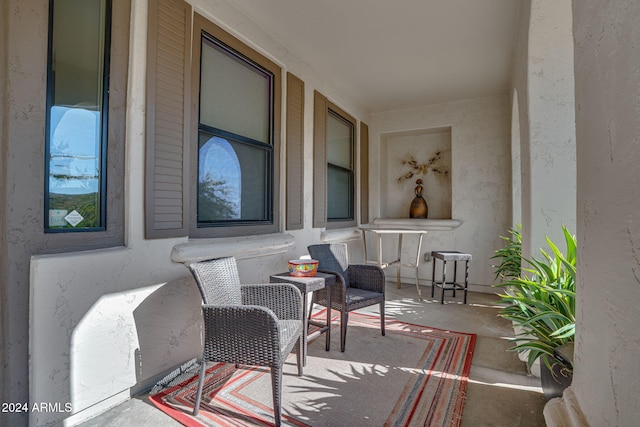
(104, 124)
(321, 110)
(267, 147)
(350, 171)
(202, 27)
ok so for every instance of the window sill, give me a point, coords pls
(417, 224)
(238, 247)
(340, 235)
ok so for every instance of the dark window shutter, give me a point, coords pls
(364, 173)
(295, 153)
(319, 160)
(166, 196)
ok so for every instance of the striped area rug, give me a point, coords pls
(413, 376)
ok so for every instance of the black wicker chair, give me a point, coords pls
(248, 324)
(357, 286)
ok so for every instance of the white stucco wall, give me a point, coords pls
(543, 151)
(607, 47)
(480, 177)
(520, 204)
(549, 156)
(516, 167)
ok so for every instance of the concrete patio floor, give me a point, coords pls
(500, 391)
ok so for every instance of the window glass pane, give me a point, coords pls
(232, 181)
(234, 95)
(340, 194)
(75, 115)
(339, 141)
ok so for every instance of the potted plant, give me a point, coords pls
(510, 267)
(510, 256)
(541, 301)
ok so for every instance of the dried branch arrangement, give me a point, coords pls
(423, 168)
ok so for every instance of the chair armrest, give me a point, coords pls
(340, 282)
(284, 299)
(367, 277)
(231, 333)
(338, 289)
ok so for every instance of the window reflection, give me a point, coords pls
(74, 165)
(77, 98)
(219, 181)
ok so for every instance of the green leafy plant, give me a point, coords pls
(542, 301)
(510, 256)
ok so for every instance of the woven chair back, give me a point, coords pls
(332, 257)
(218, 281)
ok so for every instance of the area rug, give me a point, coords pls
(413, 376)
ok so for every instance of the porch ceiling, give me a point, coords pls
(395, 54)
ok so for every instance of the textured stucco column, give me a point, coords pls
(548, 156)
(607, 48)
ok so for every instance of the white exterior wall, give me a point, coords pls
(520, 205)
(543, 151)
(549, 157)
(607, 47)
(105, 324)
(480, 178)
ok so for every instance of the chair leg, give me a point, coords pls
(299, 355)
(444, 280)
(276, 388)
(382, 318)
(466, 280)
(203, 369)
(309, 314)
(455, 277)
(344, 318)
(433, 276)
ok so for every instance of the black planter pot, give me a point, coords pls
(556, 379)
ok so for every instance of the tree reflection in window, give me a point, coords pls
(74, 165)
(219, 182)
(77, 102)
(75, 151)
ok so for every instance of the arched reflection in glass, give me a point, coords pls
(219, 181)
(74, 167)
(77, 99)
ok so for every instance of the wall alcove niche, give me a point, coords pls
(405, 155)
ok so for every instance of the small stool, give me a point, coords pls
(453, 285)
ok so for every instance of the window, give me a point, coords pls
(236, 155)
(213, 135)
(235, 150)
(77, 105)
(84, 148)
(334, 165)
(339, 168)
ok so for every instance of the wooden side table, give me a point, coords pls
(306, 286)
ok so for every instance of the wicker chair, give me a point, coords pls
(248, 324)
(357, 286)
